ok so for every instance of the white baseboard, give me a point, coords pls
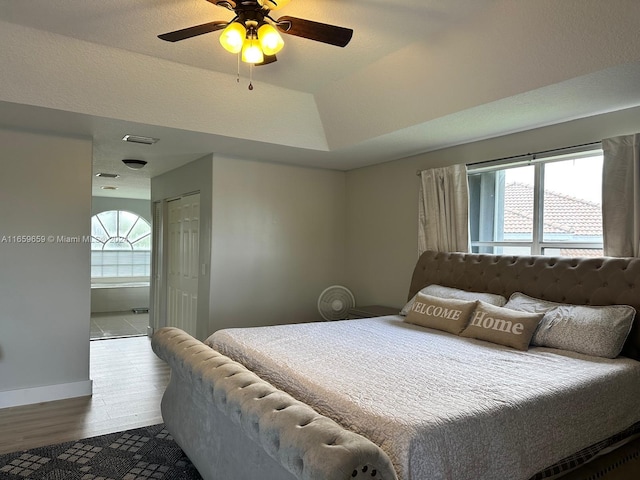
(48, 393)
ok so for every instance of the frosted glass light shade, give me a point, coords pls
(233, 37)
(251, 52)
(270, 40)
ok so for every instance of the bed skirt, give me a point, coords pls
(620, 464)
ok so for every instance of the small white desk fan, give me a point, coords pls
(335, 302)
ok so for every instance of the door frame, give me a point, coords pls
(158, 308)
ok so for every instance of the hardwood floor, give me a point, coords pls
(128, 382)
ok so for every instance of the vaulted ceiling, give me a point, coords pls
(418, 75)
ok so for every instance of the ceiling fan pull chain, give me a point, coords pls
(238, 77)
(250, 76)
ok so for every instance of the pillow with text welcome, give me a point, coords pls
(502, 325)
(441, 291)
(446, 314)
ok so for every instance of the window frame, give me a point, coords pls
(124, 239)
(537, 244)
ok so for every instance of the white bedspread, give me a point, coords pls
(443, 406)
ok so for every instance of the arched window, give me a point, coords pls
(120, 245)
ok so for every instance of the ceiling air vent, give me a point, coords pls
(139, 139)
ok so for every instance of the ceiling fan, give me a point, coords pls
(255, 34)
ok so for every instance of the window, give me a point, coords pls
(120, 245)
(550, 206)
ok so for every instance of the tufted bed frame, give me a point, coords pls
(580, 281)
(234, 425)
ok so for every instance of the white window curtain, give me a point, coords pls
(443, 212)
(621, 196)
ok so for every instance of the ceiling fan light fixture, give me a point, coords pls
(255, 35)
(233, 37)
(251, 52)
(270, 40)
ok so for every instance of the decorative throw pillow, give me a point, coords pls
(448, 292)
(449, 315)
(592, 330)
(502, 325)
(525, 303)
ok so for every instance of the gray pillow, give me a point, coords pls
(592, 330)
(448, 292)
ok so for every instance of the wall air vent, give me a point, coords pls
(107, 175)
(139, 139)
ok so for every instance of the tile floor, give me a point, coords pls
(118, 324)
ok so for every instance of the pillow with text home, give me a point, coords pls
(502, 325)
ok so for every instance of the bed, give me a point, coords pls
(385, 398)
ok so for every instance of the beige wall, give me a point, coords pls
(278, 240)
(45, 189)
(382, 200)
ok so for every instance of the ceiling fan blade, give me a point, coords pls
(267, 60)
(320, 32)
(193, 31)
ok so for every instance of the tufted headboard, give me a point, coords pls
(581, 281)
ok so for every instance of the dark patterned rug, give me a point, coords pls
(140, 454)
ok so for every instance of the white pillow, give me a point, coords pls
(448, 292)
(599, 331)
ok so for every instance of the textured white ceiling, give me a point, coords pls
(417, 76)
